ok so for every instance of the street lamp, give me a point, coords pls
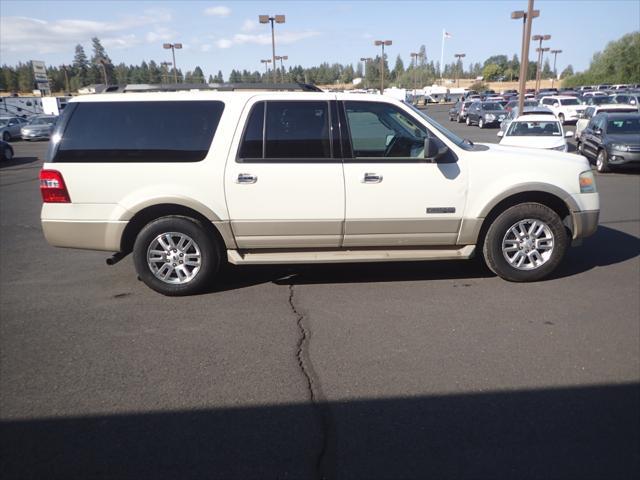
(364, 61)
(266, 62)
(555, 72)
(165, 71)
(173, 47)
(276, 19)
(382, 43)
(459, 56)
(540, 50)
(281, 58)
(414, 58)
(66, 78)
(541, 53)
(527, 18)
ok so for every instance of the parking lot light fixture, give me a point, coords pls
(364, 61)
(459, 56)
(272, 20)
(555, 72)
(414, 58)
(539, 38)
(281, 58)
(266, 62)
(165, 71)
(382, 43)
(527, 18)
(173, 47)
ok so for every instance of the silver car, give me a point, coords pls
(39, 127)
(10, 127)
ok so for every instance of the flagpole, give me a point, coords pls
(442, 56)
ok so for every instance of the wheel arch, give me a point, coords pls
(219, 229)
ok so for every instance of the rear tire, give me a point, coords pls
(525, 243)
(176, 256)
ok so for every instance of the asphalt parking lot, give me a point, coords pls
(423, 370)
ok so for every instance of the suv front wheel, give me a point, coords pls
(525, 243)
(176, 256)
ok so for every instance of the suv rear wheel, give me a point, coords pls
(525, 243)
(176, 256)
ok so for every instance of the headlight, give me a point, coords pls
(587, 182)
(561, 148)
(619, 147)
(489, 117)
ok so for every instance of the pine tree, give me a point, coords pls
(198, 75)
(100, 57)
(80, 67)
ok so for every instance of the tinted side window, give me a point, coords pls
(297, 130)
(139, 131)
(252, 141)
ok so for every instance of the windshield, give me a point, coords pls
(460, 142)
(3, 121)
(569, 101)
(492, 106)
(599, 100)
(626, 126)
(534, 129)
(42, 121)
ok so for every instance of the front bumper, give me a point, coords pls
(585, 223)
(617, 157)
(35, 136)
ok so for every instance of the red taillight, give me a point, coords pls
(53, 188)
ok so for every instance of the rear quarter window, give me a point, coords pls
(162, 131)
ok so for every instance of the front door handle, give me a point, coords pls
(246, 178)
(372, 178)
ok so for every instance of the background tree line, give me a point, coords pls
(618, 63)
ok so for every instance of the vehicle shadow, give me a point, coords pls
(596, 251)
(573, 432)
(16, 161)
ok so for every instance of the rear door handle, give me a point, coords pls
(246, 178)
(372, 178)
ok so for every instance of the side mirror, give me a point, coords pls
(500, 133)
(556, 104)
(568, 134)
(597, 131)
(434, 149)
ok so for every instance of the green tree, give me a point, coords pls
(546, 70)
(80, 67)
(218, 78)
(198, 75)
(567, 72)
(491, 72)
(100, 56)
(398, 68)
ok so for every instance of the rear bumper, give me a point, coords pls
(84, 234)
(585, 223)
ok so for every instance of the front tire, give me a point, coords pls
(6, 136)
(7, 154)
(480, 123)
(468, 121)
(459, 119)
(525, 243)
(176, 256)
(602, 162)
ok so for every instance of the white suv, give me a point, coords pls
(566, 108)
(187, 180)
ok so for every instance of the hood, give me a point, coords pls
(525, 154)
(533, 142)
(38, 128)
(628, 139)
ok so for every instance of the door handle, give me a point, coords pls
(372, 178)
(246, 178)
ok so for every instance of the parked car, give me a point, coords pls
(276, 177)
(39, 127)
(6, 150)
(626, 98)
(566, 108)
(10, 127)
(597, 100)
(536, 131)
(485, 113)
(514, 103)
(595, 93)
(612, 139)
(593, 110)
(514, 113)
(459, 111)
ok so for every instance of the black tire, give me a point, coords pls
(480, 123)
(602, 162)
(210, 253)
(500, 228)
(7, 153)
(6, 136)
(468, 121)
(459, 119)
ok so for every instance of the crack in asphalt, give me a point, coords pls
(325, 458)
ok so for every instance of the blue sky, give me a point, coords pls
(226, 35)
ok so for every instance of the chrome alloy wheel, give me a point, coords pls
(528, 244)
(174, 258)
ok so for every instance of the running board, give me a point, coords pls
(264, 257)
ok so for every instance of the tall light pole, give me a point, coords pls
(541, 53)
(165, 70)
(555, 72)
(266, 62)
(382, 43)
(414, 59)
(276, 19)
(459, 56)
(540, 50)
(527, 19)
(281, 58)
(102, 62)
(66, 79)
(364, 61)
(173, 47)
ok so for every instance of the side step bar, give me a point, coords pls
(265, 257)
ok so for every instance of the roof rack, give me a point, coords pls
(220, 87)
